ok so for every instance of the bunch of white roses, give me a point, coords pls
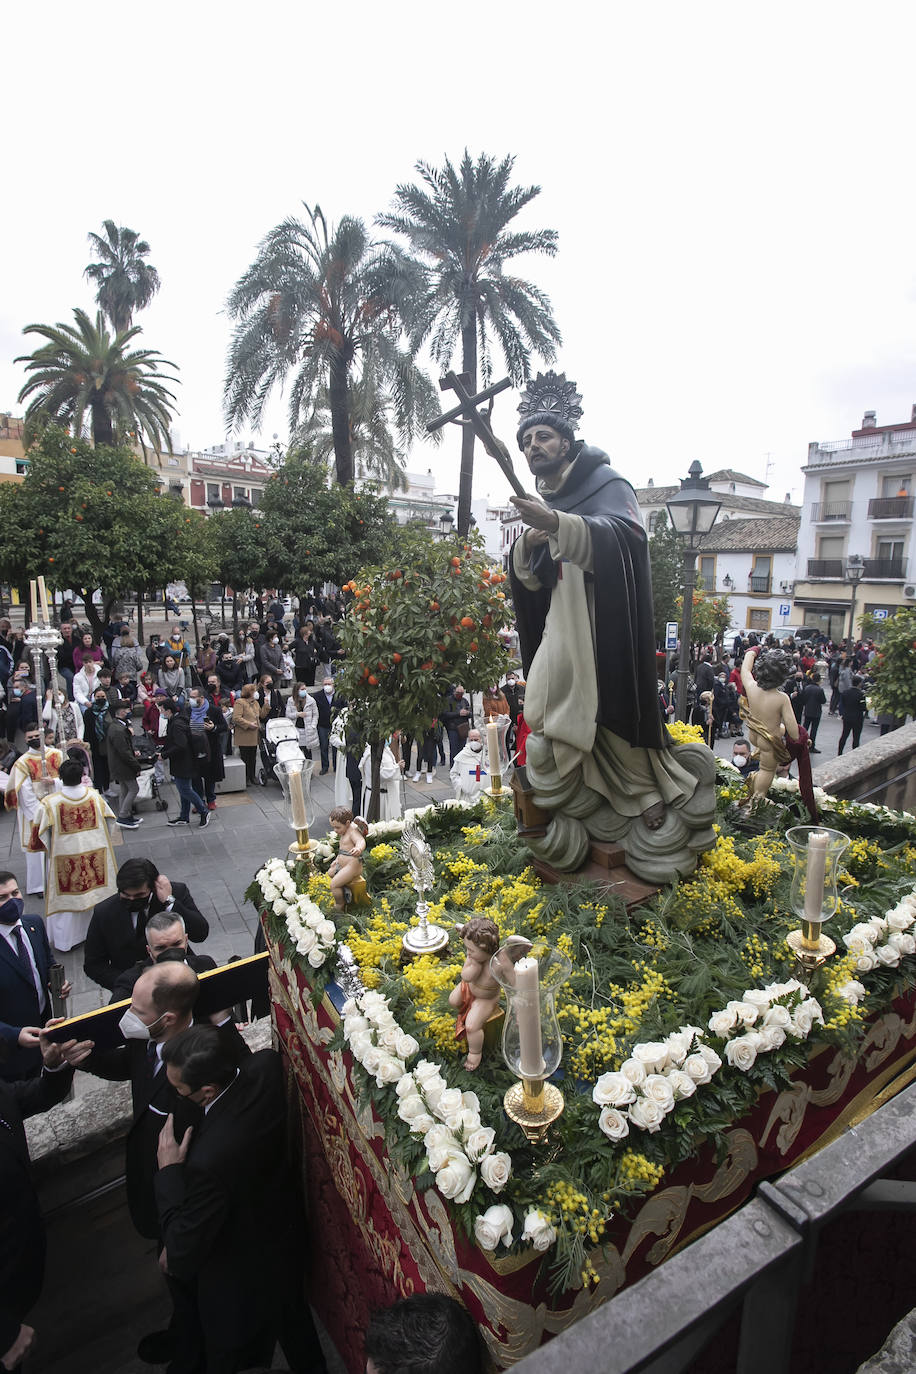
(376, 1040)
(314, 936)
(457, 1143)
(880, 943)
(762, 1019)
(648, 1085)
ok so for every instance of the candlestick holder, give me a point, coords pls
(425, 937)
(294, 774)
(816, 851)
(499, 764)
(532, 1043)
(44, 639)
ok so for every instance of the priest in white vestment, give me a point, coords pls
(81, 862)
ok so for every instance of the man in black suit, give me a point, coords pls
(329, 703)
(166, 939)
(25, 997)
(22, 1233)
(225, 1193)
(116, 936)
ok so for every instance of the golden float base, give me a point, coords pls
(534, 1106)
(810, 950)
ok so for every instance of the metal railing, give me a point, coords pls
(759, 582)
(756, 1261)
(891, 568)
(890, 508)
(831, 510)
(825, 567)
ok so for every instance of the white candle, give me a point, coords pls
(34, 592)
(493, 751)
(528, 1005)
(297, 802)
(43, 598)
(817, 869)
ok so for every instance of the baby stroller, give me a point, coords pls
(275, 732)
(152, 774)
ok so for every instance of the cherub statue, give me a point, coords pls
(347, 868)
(768, 714)
(477, 995)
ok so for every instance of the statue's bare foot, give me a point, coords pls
(654, 816)
(472, 1062)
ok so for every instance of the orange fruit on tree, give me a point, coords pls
(467, 623)
(473, 646)
(373, 680)
(455, 562)
(425, 667)
(434, 605)
(396, 657)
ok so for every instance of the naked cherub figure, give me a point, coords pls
(769, 716)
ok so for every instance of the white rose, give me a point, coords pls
(494, 1225)
(349, 1008)
(406, 1046)
(269, 892)
(406, 1085)
(778, 1016)
(433, 1092)
(389, 1070)
(722, 1023)
(771, 1037)
(456, 1179)
(471, 1102)
(652, 1054)
(538, 1230)
(440, 1152)
(280, 907)
(681, 1082)
(901, 918)
(371, 1059)
(633, 1070)
(613, 1090)
(388, 1038)
(479, 1143)
(678, 1044)
(712, 1059)
(448, 1102)
(774, 990)
(879, 925)
(646, 1114)
(372, 998)
(383, 1019)
(757, 997)
(902, 942)
(360, 1043)
(742, 1051)
(313, 920)
(496, 1170)
(439, 1135)
(696, 1066)
(411, 1107)
(316, 957)
(463, 1122)
(613, 1123)
(659, 1089)
(326, 931)
(887, 955)
(352, 1024)
(859, 936)
(865, 961)
(692, 1033)
(426, 1073)
(423, 1123)
(746, 1012)
(853, 992)
(306, 942)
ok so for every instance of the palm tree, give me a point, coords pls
(84, 369)
(456, 228)
(125, 282)
(375, 452)
(324, 301)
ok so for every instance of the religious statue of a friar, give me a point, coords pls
(599, 758)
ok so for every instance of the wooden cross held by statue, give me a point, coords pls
(467, 412)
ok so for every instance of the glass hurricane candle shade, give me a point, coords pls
(295, 777)
(532, 1043)
(497, 729)
(816, 852)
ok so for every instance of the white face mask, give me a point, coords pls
(329, 691)
(476, 745)
(739, 760)
(132, 1028)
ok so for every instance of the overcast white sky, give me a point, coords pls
(732, 185)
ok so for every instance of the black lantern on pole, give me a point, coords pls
(854, 572)
(692, 511)
(446, 521)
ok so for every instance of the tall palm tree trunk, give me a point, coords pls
(340, 420)
(466, 478)
(102, 431)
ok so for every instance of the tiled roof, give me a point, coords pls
(778, 534)
(657, 496)
(729, 475)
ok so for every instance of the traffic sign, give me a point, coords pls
(879, 615)
(670, 635)
(785, 608)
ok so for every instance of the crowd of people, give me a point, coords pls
(825, 677)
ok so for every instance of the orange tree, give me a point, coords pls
(413, 628)
(893, 671)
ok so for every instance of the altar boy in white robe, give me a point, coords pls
(391, 805)
(469, 774)
(24, 791)
(81, 862)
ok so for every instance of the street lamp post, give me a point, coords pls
(692, 511)
(855, 571)
(446, 521)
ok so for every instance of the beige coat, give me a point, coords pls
(245, 721)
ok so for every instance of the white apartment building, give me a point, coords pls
(858, 500)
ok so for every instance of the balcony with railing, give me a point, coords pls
(886, 569)
(761, 583)
(822, 511)
(890, 508)
(825, 567)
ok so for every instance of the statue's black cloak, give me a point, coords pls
(624, 631)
